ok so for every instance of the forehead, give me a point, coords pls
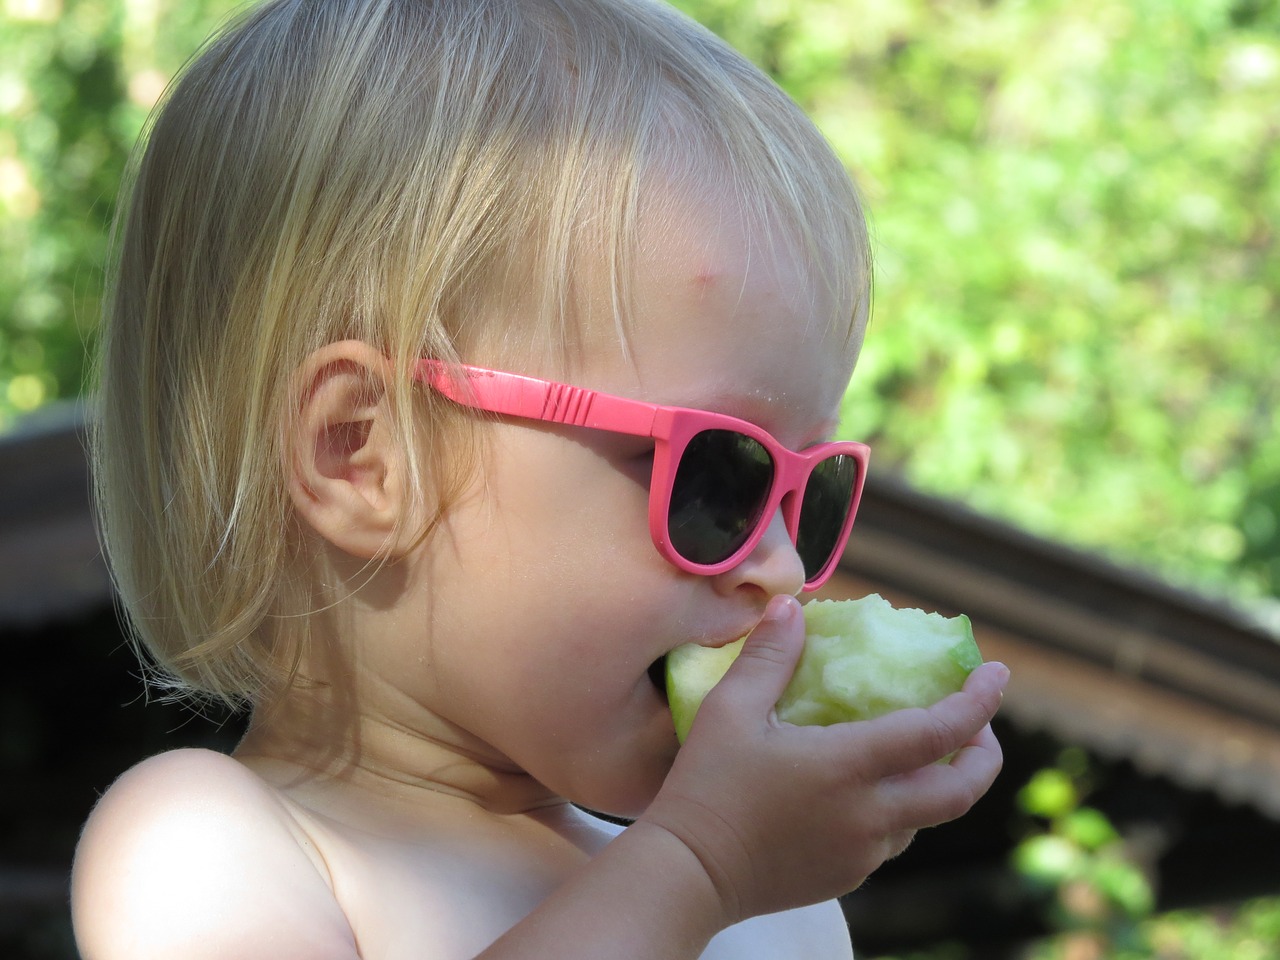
(724, 312)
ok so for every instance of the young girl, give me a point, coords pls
(464, 358)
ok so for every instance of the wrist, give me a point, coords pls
(696, 902)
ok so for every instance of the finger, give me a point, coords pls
(941, 792)
(768, 658)
(979, 761)
(897, 843)
(988, 681)
(906, 740)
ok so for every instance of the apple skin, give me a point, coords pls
(862, 658)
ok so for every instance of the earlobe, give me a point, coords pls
(346, 472)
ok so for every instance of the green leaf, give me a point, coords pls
(1049, 794)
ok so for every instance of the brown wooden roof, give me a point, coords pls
(1102, 656)
(50, 566)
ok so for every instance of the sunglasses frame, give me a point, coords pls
(671, 428)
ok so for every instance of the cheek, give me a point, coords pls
(566, 512)
(548, 561)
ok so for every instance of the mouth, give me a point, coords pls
(658, 677)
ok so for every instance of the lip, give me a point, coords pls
(732, 636)
(658, 669)
(722, 638)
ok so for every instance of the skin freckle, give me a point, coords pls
(705, 275)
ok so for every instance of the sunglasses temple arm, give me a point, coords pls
(514, 395)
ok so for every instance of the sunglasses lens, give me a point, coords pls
(719, 492)
(828, 498)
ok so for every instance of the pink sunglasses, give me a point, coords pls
(717, 480)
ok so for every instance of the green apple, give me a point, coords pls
(862, 658)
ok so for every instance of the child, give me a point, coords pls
(443, 590)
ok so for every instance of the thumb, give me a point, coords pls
(769, 656)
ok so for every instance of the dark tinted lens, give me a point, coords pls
(827, 499)
(719, 492)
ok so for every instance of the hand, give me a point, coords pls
(780, 816)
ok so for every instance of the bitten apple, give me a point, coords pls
(862, 658)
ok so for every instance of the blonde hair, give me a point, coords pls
(386, 170)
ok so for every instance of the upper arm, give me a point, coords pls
(189, 855)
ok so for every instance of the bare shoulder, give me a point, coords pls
(190, 854)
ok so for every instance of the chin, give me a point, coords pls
(621, 801)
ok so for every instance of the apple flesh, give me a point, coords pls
(862, 658)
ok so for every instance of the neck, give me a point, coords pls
(390, 761)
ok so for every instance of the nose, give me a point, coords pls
(773, 567)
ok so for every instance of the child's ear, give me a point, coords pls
(346, 473)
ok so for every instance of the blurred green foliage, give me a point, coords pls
(1076, 213)
(77, 79)
(1075, 206)
(1099, 890)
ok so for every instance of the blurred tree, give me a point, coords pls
(1098, 885)
(77, 78)
(1074, 207)
(61, 152)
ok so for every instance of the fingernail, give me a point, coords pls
(780, 608)
(1002, 675)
